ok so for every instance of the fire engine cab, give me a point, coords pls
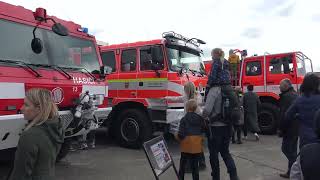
(265, 73)
(145, 72)
(42, 51)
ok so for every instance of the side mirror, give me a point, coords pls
(36, 45)
(105, 70)
(60, 29)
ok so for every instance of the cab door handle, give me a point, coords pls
(133, 93)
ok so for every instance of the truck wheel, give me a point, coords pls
(63, 151)
(268, 118)
(133, 128)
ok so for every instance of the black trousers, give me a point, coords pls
(289, 148)
(193, 159)
(236, 131)
(219, 143)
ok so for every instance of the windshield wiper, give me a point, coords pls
(199, 72)
(21, 64)
(188, 69)
(81, 68)
(57, 68)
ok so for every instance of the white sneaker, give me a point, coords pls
(257, 136)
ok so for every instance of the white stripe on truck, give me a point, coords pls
(12, 90)
(95, 90)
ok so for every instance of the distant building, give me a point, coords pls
(102, 43)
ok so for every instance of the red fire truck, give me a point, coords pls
(145, 72)
(265, 73)
(42, 51)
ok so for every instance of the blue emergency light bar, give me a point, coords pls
(83, 29)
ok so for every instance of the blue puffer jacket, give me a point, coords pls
(219, 75)
(304, 109)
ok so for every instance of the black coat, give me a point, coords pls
(286, 100)
(251, 104)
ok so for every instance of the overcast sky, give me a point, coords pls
(256, 25)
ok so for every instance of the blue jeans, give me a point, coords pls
(289, 149)
(219, 143)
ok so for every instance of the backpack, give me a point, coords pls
(230, 112)
(229, 109)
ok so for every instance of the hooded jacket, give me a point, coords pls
(190, 133)
(304, 109)
(286, 99)
(37, 151)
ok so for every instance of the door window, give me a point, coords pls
(128, 60)
(253, 68)
(109, 59)
(146, 61)
(282, 65)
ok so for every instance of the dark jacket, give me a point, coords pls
(304, 109)
(251, 104)
(310, 160)
(239, 112)
(37, 151)
(286, 99)
(219, 74)
(190, 133)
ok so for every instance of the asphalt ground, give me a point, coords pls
(260, 160)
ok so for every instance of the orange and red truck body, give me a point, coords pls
(145, 72)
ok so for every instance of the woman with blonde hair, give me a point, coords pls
(190, 93)
(41, 140)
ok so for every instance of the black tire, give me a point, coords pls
(133, 127)
(63, 151)
(268, 118)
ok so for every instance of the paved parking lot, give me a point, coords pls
(261, 160)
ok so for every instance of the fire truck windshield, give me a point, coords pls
(182, 57)
(304, 64)
(62, 51)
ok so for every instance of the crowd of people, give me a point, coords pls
(226, 112)
(221, 119)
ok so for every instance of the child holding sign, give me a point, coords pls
(190, 136)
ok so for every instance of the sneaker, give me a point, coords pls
(245, 137)
(257, 136)
(233, 141)
(285, 175)
(239, 142)
(83, 146)
(72, 148)
(91, 145)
